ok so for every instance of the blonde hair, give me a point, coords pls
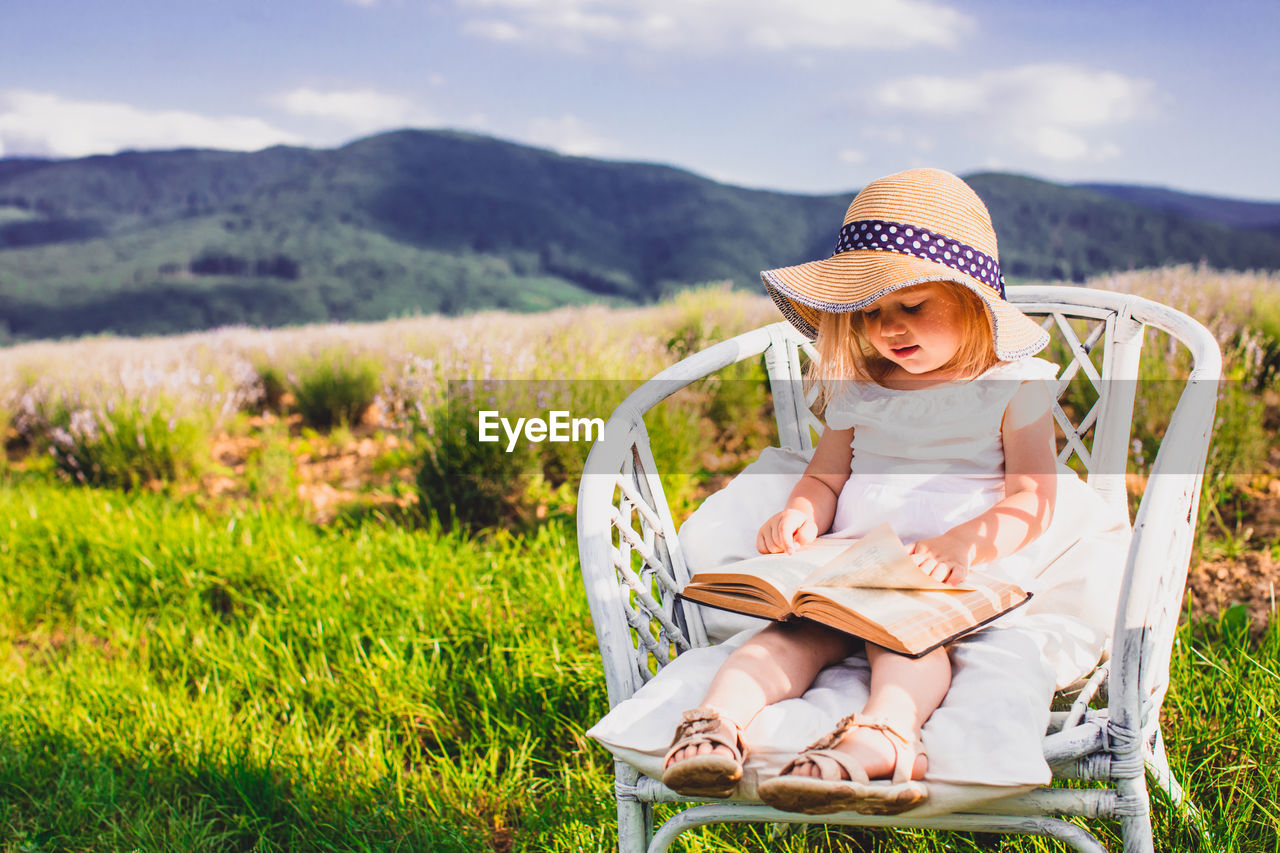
(845, 354)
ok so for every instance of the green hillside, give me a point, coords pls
(1225, 211)
(417, 221)
(1057, 232)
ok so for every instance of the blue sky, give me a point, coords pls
(795, 95)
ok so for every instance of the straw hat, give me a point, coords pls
(910, 228)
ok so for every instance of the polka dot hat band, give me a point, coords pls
(910, 228)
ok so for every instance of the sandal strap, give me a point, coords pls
(698, 726)
(820, 757)
(698, 720)
(833, 737)
(853, 721)
(884, 725)
(905, 748)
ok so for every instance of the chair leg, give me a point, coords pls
(1158, 767)
(1162, 775)
(1135, 810)
(635, 819)
(635, 826)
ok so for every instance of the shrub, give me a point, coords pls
(273, 383)
(701, 316)
(740, 408)
(679, 433)
(336, 388)
(126, 445)
(462, 481)
(7, 436)
(1240, 440)
(466, 482)
(1240, 443)
(476, 484)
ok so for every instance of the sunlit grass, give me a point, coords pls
(180, 680)
(176, 675)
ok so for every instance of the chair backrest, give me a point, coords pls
(633, 566)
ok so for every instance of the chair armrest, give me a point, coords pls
(1163, 532)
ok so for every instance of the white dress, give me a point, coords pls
(923, 461)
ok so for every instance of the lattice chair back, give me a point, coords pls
(1152, 592)
(633, 566)
(631, 559)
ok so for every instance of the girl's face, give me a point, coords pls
(918, 329)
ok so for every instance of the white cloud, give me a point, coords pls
(850, 155)
(494, 30)
(919, 140)
(1108, 151)
(721, 24)
(1053, 110)
(1055, 143)
(46, 124)
(933, 95)
(569, 135)
(1061, 94)
(358, 109)
(890, 24)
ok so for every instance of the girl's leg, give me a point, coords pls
(905, 691)
(778, 663)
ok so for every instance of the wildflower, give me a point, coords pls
(60, 440)
(83, 424)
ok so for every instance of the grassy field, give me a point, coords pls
(175, 681)
(183, 668)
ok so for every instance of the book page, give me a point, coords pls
(782, 572)
(878, 560)
(910, 621)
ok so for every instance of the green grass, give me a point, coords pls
(1223, 717)
(180, 680)
(175, 677)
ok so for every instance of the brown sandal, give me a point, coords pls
(709, 775)
(831, 793)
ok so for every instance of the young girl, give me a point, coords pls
(939, 433)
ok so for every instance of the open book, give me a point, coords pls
(868, 587)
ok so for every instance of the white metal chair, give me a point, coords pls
(632, 566)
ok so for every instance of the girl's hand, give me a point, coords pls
(785, 531)
(943, 558)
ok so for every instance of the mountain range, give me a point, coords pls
(439, 221)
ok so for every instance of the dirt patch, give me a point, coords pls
(325, 472)
(1250, 579)
(43, 645)
(1239, 564)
